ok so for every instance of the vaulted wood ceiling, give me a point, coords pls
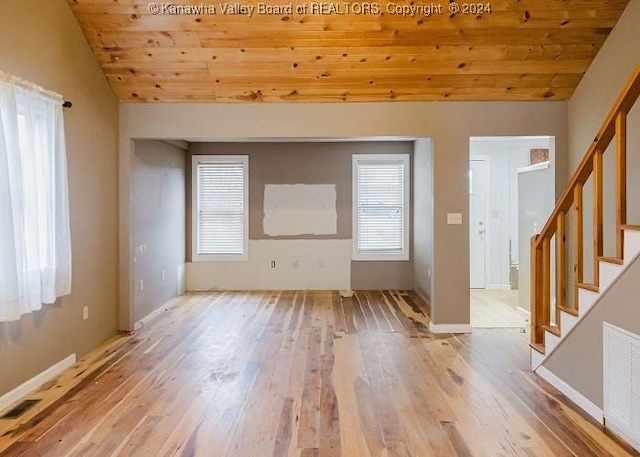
(521, 50)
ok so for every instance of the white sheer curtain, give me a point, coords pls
(35, 249)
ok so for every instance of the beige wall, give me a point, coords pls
(314, 163)
(450, 125)
(40, 41)
(158, 223)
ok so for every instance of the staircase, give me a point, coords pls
(553, 313)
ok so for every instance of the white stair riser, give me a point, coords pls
(586, 299)
(608, 273)
(631, 245)
(550, 341)
(536, 359)
(567, 321)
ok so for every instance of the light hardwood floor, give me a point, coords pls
(491, 308)
(303, 374)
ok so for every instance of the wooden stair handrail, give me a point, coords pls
(623, 105)
(592, 163)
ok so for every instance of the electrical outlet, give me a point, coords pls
(141, 285)
(85, 313)
(273, 264)
(163, 276)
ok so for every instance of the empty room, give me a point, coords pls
(262, 228)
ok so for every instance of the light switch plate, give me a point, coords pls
(454, 218)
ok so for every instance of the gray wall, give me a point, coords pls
(158, 222)
(41, 41)
(423, 216)
(578, 360)
(312, 163)
(449, 124)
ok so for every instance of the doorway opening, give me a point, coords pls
(511, 193)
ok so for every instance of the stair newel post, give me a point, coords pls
(561, 263)
(597, 213)
(621, 181)
(536, 302)
(578, 252)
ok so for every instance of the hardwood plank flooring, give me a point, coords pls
(492, 308)
(303, 373)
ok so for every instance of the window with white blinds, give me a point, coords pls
(220, 219)
(381, 207)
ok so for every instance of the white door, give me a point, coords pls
(478, 201)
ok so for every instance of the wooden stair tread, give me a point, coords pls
(634, 227)
(572, 311)
(591, 287)
(613, 260)
(538, 347)
(554, 329)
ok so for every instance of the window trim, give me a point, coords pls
(195, 161)
(405, 160)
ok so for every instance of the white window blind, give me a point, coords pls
(221, 207)
(381, 207)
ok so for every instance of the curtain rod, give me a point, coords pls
(12, 79)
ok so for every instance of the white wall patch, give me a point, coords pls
(300, 209)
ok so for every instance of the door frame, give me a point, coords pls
(487, 224)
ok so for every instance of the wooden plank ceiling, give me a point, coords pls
(327, 52)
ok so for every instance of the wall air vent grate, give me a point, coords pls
(622, 383)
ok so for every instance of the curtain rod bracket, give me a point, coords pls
(67, 104)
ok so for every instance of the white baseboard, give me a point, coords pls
(523, 311)
(499, 287)
(32, 384)
(575, 396)
(181, 279)
(450, 328)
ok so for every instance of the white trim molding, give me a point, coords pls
(363, 183)
(573, 395)
(450, 328)
(32, 384)
(182, 279)
(537, 166)
(212, 165)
